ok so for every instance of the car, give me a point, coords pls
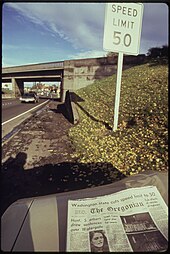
(29, 97)
(40, 223)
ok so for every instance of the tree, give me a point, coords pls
(158, 52)
(39, 85)
(165, 50)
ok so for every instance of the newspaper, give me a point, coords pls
(132, 220)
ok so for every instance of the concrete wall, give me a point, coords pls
(80, 73)
(83, 72)
(17, 87)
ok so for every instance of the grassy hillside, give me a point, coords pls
(141, 140)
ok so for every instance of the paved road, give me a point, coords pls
(14, 113)
(38, 160)
(13, 107)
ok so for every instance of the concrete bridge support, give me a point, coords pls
(83, 72)
(68, 81)
(17, 87)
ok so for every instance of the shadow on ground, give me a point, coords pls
(61, 109)
(18, 183)
(76, 99)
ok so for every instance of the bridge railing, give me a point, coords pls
(32, 67)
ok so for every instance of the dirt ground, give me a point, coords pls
(37, 160)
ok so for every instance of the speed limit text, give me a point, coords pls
(124, 10)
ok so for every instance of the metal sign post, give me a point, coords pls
(118, 86)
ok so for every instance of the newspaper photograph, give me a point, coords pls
(132, 220)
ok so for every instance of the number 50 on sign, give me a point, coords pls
(122, 28)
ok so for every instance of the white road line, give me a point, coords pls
(24, 113)
(7, 103)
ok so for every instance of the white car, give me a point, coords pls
(29, 97)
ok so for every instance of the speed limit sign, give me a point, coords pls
(122, 28)
(122, 31)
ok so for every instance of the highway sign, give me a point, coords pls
(122, 28)
(122, 31)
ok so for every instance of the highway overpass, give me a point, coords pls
(73, 74)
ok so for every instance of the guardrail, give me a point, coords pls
(8, 96)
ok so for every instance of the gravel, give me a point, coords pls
(38, 160)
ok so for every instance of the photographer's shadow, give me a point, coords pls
(52, 178)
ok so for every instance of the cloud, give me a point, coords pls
(87, 54)
(77, 23)
(82, 24)
(16, 47)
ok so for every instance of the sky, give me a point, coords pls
(35, 32)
